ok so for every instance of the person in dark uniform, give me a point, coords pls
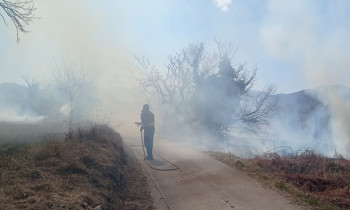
(147, 119)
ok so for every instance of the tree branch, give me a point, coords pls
(21, 13)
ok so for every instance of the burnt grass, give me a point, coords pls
(313, 179)
(90, 170)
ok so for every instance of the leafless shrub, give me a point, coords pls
(256, 115)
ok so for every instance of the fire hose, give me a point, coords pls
(149, 165)
(158, 169)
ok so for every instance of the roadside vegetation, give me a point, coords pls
(90, 170)
(312, 179)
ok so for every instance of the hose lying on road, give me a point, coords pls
(158, 188)
(158, 169)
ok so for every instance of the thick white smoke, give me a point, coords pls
(311, 37)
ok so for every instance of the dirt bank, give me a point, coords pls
(89, 171)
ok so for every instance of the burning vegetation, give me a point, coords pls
(320, 181)
(208, 92)
(90, 170)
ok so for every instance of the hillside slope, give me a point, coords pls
(309, 110)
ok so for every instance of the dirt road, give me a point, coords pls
(203, 183)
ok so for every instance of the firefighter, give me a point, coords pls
(147, 119)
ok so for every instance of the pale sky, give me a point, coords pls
(296, 44)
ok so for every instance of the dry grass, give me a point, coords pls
(318, 181)
(30, 132)
(88, 171)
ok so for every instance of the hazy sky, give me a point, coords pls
(296, 44)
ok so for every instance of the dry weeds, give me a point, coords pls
(319, 181)
(88, 171)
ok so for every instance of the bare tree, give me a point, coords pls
(20, 13)
(175, 85)
(41, 99)
(29, 82)
(206, 89)
(71, 79)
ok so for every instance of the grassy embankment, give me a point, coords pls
(312, 179)
(89, 171)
